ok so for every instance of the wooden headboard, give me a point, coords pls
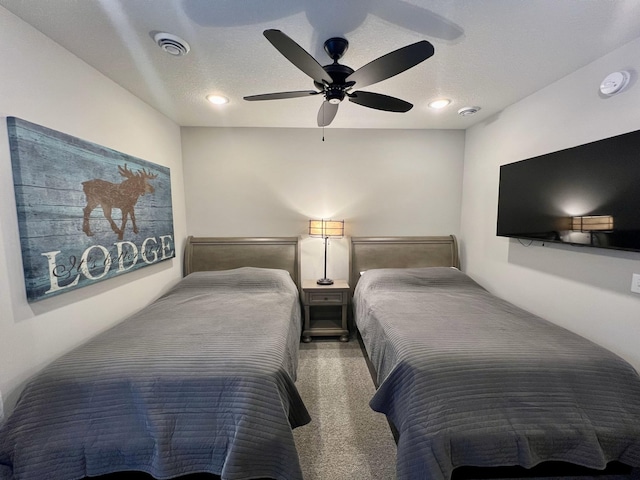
(225, 253)
(401, 252)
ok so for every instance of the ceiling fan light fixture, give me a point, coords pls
(334, 95)
(439, 103)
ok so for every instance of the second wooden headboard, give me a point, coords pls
(401, 252)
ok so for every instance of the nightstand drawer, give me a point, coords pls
(325, 297)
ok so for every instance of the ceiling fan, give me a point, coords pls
(336, 81)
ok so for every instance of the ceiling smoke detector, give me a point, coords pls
(615, 83)
(464, 111)
(171, 44)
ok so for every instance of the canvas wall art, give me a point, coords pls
(86, 213)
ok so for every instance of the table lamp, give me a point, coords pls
(325, 229)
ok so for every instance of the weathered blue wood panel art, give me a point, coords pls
(85, 212)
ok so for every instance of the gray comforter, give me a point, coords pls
(469, 379)
(201, 380)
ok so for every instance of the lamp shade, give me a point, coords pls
(592, 223)
(326, 228)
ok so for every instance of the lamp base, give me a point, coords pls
(325, 281)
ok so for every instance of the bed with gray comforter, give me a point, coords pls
(202, 380)
(469, 379)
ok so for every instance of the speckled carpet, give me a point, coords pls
(345, 439)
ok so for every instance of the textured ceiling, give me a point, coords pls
(488, 53)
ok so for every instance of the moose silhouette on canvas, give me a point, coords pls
(123, 196)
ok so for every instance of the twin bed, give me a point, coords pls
(202, 380)
(474, 385)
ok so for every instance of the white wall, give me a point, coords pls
(270, 182)
(583, 289)
(44, 84)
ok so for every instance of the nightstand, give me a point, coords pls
(325, 310)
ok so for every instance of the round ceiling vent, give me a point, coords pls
(172, 44)
(464, 111)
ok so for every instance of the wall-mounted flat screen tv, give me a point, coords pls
(584, 195)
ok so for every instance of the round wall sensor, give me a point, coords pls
(614, 83)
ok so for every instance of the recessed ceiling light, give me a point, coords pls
(217, 99)
(440, 103)
(464, 111)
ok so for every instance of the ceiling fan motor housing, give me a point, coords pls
(335, 91)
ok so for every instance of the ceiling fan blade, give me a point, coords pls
(391, 64)
(297, 55)
(281, 95)
(380, 102)
(327, 113)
